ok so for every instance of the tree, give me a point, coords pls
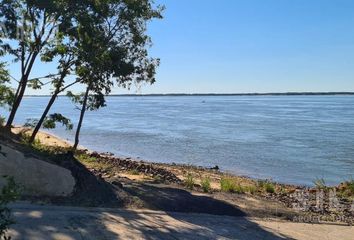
(31, 25)
(113, 49)
(66, 63)
(6, 93)
(124, 58)
(29, 28)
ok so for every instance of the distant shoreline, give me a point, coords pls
(221, 94)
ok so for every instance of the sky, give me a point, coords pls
(234, 46)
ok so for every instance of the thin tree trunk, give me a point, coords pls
(16, 104)
(17, 91)
(44, 115)
(49, 106)
(82, 114)
(23, 85)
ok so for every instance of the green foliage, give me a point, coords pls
(189, 181)
(102, 43)
(30, 123)
(269, 187)
(205, 182)
(320, 183)
(52, 119)
(9, 193)
(50, 122)
(35, 83)
(6, 93)
(228, 184)
(94, 101)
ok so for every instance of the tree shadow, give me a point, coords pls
(178, 200)
(196, 218)
(66, 223)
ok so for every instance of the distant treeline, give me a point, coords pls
(223, 94)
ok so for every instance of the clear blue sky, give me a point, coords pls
(226, 46)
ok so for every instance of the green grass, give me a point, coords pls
(84, 158)
(133, 172)
(250, 189)
(266, 185)
(42, 148)
(189, 181)
(205, 182)
(228, 184)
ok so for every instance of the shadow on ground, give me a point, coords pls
(66, 223)
(179, 200)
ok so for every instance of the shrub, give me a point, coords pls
(9, 193)
(269, 187)
(348, 189)
(227, 185)
(189, 181)
(230, 185)
(206, 184)
(266, 185)
(250, 189)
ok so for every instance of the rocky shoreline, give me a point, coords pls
(314, 204)
(320, 203)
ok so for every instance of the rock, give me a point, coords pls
(106, 175)
(215, 168)
(95, 154)
(37, 177)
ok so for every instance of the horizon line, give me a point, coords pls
(214, 94)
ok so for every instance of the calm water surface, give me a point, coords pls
(292, 139)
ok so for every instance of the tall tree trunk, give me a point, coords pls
(82, 114)
(16, 104)
(21, 92)
(44, 115)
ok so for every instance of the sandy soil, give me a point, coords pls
(43, 137)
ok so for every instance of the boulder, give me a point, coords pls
(35, 177)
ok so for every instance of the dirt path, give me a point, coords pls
(67, 223)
